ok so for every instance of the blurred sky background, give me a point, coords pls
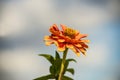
(24, 23)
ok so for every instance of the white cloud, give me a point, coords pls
(12, 21)
(18, 63)
(16, 18)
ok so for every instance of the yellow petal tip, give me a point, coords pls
(78, 54)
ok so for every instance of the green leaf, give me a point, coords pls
(66, 78)
(46, 77)
(71, 60)
(67, 63)
(71, 70)
(48, 57)
(52, 69)
(57, 65)
(57, 55)
(55, 68)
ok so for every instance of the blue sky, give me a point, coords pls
(24, 23)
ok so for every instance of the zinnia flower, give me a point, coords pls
(67, 38)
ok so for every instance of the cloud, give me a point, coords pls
(12, 21)
(18, 17)
(18, 63)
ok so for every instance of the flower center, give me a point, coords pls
(70, 32)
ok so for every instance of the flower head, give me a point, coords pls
(67, 38)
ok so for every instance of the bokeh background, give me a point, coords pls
(24, 23)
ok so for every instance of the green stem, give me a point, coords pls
(62, 64)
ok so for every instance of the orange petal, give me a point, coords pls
(76, 51)
(78, 54)
(86, 41)
(83, 51)
(78, 45)
(61, 40)
(48, 43)
(80, 36)
(63, 27)
(61, 47)
(54, 29)
(55, 37)
(73, 49)
(84, 45)
(69, 46)
(56, 43)
(47, 38)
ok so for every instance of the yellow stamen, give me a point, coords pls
(70, 32)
